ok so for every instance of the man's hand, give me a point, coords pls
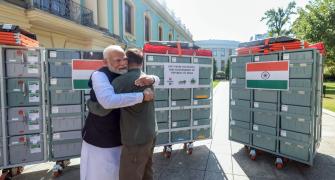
(144, 80)
(148, 94)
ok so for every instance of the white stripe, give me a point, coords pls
(274, 75)
(81, 74)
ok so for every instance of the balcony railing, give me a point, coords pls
(67, 9)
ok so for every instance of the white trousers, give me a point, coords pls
(99, 163)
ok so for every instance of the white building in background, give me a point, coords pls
(221, 49)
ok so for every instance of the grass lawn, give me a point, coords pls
(215, 82)
(329, 100)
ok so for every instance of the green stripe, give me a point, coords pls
(80, 84)
(267, 84)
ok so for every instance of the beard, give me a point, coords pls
(120, 71)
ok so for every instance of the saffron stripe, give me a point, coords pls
(87, 64)
(268, 66)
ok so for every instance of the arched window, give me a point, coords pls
(147, 28)
(160, 33)
(129, 17)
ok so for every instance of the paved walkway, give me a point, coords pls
(219, 158)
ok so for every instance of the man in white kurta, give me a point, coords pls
(102, 163)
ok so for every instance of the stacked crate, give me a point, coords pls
(284, 123)
(65, 108)
(183, 115)
(23, 94)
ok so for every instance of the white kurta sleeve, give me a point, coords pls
(106, 96)
(157, 80)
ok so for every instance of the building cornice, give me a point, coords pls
(159, 9)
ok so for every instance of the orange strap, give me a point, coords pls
(179, 49)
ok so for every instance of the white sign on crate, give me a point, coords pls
(180, 75)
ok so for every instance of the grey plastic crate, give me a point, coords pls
(295, 136)
(301, 70)
(265, 118)
(180, 115)
(240, 113)
(201, 113)
(162, 138)
(162, 116)
(205, 72)
(237, 71)
(201, 122)
(66, 144)
(180, 59)
(202, 60)
(60, 84)
(59, 54)
(240, 103)
(161, 104)
(262, 138)
(1, 154)
(66, 118)
(183, 93)
(202, 102)
(180, 124)
(266, 57)
(23, 63)
(181, 103)
(297, 150)
(298, 56)
(157, 58)
(300, 110)
(296, 97)
(243, 94)
(205, 81)
(161, 94)
(162, 125)
(64, 97)
(238, 131)
(24, 92)
(24, 120)
(24, 149)
(179, 136)
(265, 106)
(237, 83)
(157, 70)
(201, 133)
(265, 95)
(296, 123)
(241, 60)
(201, 93)
(61, 68)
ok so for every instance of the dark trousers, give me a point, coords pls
(136, 161)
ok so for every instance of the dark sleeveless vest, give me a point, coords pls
(104, 131)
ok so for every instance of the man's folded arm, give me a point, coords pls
(106, 96)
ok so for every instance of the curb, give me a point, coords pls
(330, 113)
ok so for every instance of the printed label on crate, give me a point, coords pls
(32, 69)
(174, 124)
(34, 143)
(33, 115)
(174, 59)
(195, 102)
(173, 103)
(34, 97)
(195, 60)
(301, 119)
(271, 75)
(283, 133)
(53, 81)
(233, 103)
(82, 70)
(232, 123)
(15, 119)
(286, 56)
(303, 65)
(256, 58)
(56, 136)
(233, 60)
(180, 75)
(150, 58)
(233, 81)
(53, 54)
(195, 123)
(33, 86)
(255, 127)
(33, 127)
(284, 108)
(32, 59)
(301, 92)
(54, 110)
(256, 104)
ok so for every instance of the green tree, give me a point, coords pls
(227, 69)
(276, 20)
(214, 68)
(315, 23)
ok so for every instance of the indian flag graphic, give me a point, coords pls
(272, 75)
(82, 70)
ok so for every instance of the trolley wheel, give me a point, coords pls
(20, 170)
(189, 151)
(167, 151)
(167, 155)
(279, 163)
(252, 154)
(57, 173)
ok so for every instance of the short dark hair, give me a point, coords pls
(135, 56)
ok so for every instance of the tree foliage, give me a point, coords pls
(315, 23)
(276, 20)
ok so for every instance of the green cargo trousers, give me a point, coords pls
(136, 161)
